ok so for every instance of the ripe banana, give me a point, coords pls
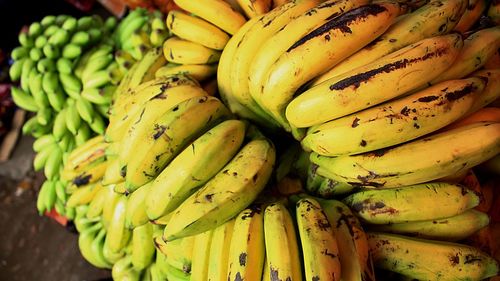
(226, 194)
(118, 235)
(135, 215)
(200, 72)
(89, 242)
(219, 252)
(178, 253)
(402, 120)
(92, 150)
(471, 15)
(418, 161)
(143, 249)
(282, 249)
(193, 167)
(492, 90)
(494, 11)
(453, 228)
(196, 30)
(112, 174)
(201, 255)
(430, 260)
(217, 12)
(181, 51)
(390, 76)
(412, 203)
(487, 114)
(255, 8)
(168, 135)
(319, 245)
(433, 19)
(305, 59)
(247, 251)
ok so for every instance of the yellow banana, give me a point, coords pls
(112, 174)
(430, 260)
(247, 250)
(282, 249)
(384, 79)
(163, 220)
(414, 162)
(201, 255)
(181, 51)
(200, 72)
(193, 167)
(254, 8)
(196, 30)
(281, 41)
(135, 215)
(92, 149)
(168, 135)
(433, 19)
(83, 195)
(319, 245)
(219, 252)
(478, 48)
(118, 235)
(471, 15)
(96, 206)
(178, 253)
(487, 114)
(92, 174)
(305, 59)
(396, 121)
(143, 249)
(492, 90)
(218, 12)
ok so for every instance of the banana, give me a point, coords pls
(87, 242)
(46, 65)
(73, 119)
(97, 79)
(201, 255)
(493, 11)
(101, 96)
(343, 36)
(219, 252)
(403, 119)
(44, 116)
(193, 167)
(83, 195)
(247, 250)
(163, 220)
(112, 174)
(196, 30)
(412, 67)
(15, 70)
(181, 51)
(41, 157)
(226, 194)
(487, 114)
(255, 8)
(36, 90)
(47, 197)
(471, 15)
(23, 99)
(143, 249)
(319, 245)
(83, 134)
(28, 64)
(98, 124)
(200, 72)
(406, 204)
(96, 206)
(430, 260)
(124, 270)
(478, 48)
(42, 142)
(91, 174)
(87, 153)
(85, 109)
(166, 136)
(454, 228)
(282, 40)
(433, 19)
(178, 253)
(136, 207)
(53, 164)
(217, 12)
(282, 249)
(250, 42)
(118, 235)
(418, 161)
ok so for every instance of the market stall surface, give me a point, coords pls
(33, 247)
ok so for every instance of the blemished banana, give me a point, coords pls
(231, 190)
(247, 251)
(251, 41)
(487, 114)
(430, 260)
(196, 30)
(217, 12)
(494, 11)
(201, 255)
(471, 15)
(219, 252)
(178, 253)
(304, 60)
(319, 244)
(193, 167)
(414, 162)
(412, 67)
(355, 259)
(135, 215)
(453, 228)
(87, 153)
(92, 174)
(403, 119)
(406, 204)
(492, 90)
(255, 8)
(181, 51)
(282, 40)
(118, 235)
(168, 135)
(433, 19)
(478, 48)
(200, 72)
(282, 249)
(143, 249)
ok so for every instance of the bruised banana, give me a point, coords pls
(430, 260)
(402, 120)
(412, 67)
(471, 15)
(406, 204)
(193, 167)
(227, 193)
(433, 19)
(414, 162)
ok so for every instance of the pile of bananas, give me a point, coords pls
(390, 104)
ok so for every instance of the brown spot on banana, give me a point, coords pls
(242, 259)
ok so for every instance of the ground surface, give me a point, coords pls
(34, 247)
